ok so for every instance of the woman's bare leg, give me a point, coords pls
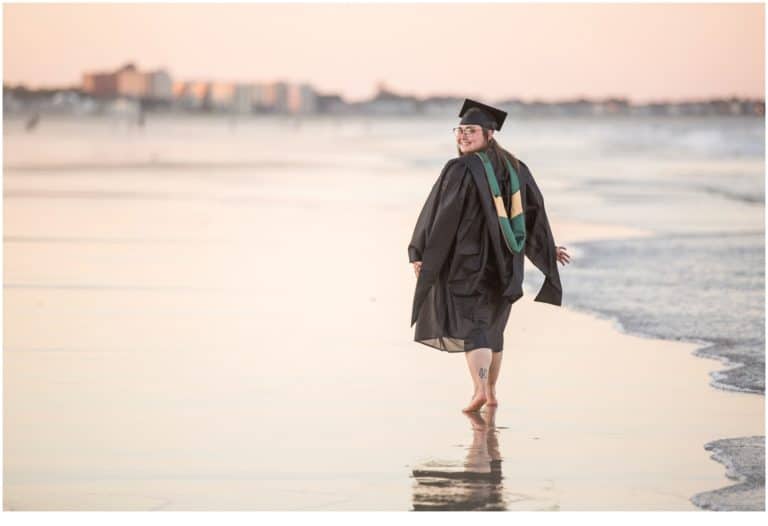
(472, 374)
(479, 361)
(493, 376)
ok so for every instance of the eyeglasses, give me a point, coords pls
(465, 130)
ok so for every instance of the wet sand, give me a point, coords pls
(230, 368)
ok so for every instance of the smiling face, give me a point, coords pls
(469, 138)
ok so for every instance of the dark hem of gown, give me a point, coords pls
(424, 343)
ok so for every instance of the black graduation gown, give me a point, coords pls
(469, 279)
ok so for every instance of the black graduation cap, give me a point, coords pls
(474, 112)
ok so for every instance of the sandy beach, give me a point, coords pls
(222, 396)
(195, 323)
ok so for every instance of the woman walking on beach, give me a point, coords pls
(483, 214)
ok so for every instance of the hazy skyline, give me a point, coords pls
(542, 51)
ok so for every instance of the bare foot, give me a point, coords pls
(475, 404)
(492, 397)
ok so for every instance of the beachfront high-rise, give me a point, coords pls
(128, 81)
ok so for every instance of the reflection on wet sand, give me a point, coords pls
(474, 484)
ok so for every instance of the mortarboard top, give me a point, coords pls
(474, 112)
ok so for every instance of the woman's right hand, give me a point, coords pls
(417, 267)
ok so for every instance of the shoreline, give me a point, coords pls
(748, 494)
(743, 456)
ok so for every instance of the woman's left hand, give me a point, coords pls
(417, 267)
(563, 256)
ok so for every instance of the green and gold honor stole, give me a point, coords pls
(512, 227)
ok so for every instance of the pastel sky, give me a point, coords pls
(490, 51)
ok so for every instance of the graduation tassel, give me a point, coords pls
(512, 227)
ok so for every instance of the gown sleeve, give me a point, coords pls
(435, 231)
(540, 243)
(439, 217)
(419, 237)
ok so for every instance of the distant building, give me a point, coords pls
(301, 99)
(158, 85)
(612, 106)
(11, 103)
(513, 107)
(191, 94)
(259, 98)
(331, 103)
(222, 96)
(242, 98)
(443, 106)
(100, 84)
(389, 103)
(128, 81)
(276, 97)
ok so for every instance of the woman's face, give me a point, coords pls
(469, 138)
